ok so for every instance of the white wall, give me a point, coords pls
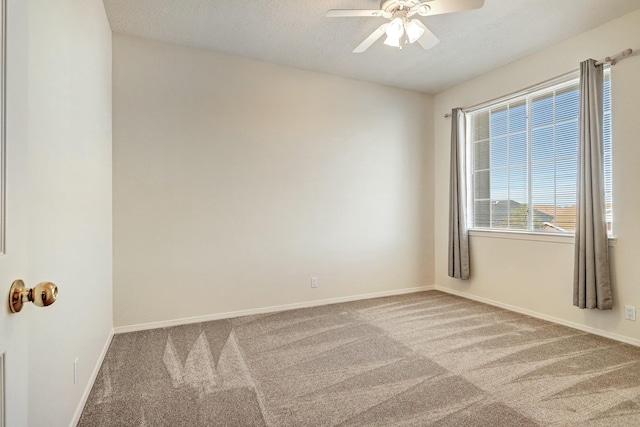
(538, 276)
(69, 149)
(236, 181)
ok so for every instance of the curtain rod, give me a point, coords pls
(613, 60)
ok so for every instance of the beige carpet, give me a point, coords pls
(426, 359)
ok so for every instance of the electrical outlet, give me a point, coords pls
(629, 312)
(314, 282)
(75, 371)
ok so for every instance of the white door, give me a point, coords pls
(14, 328)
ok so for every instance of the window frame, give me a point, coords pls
(526, 95)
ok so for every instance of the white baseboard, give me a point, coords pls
(92, 380)
(537, 315)
(262, 310)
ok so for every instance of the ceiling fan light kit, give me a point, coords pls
(402, 30)
(400, 27)
(393, 42)
(414, 30)
(395, 31)
(396, 28)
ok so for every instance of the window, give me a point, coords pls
(524, 160)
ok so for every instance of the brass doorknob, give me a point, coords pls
(42, 295)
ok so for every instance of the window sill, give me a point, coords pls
(535, 237)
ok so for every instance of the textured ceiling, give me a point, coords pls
(295, 33)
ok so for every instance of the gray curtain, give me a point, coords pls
(591, 279)
(458, 234)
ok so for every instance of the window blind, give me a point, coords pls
(525, 160)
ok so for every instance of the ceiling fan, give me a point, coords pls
(401, 30)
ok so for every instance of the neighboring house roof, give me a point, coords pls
(553, 218)
(552, 227)
(565, 217)
(502, 208)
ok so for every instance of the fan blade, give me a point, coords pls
(428, 39)
(438, 7)
(346, 13)
(371, 39)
